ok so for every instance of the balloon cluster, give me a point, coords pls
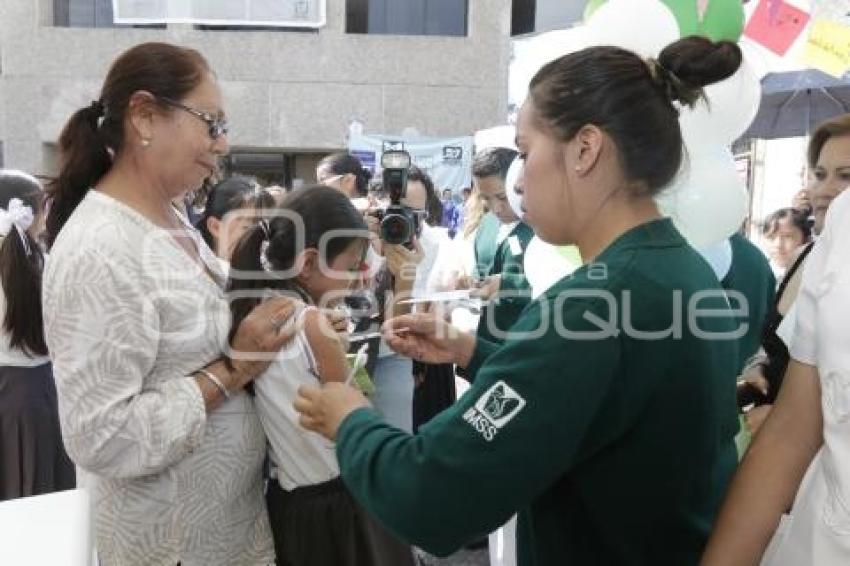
(707, 200)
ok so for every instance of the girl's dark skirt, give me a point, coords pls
(322, 525)
(32, 458)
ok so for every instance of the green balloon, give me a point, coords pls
(685, 12)
(724, 19)
(592, 6)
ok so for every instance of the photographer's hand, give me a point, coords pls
(403, 262)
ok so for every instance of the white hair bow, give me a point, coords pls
(18, 215)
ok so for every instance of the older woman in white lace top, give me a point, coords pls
(150, 391)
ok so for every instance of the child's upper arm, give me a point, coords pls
(331, 364)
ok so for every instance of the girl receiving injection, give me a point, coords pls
(314, 519)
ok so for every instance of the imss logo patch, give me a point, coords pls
(494, 410)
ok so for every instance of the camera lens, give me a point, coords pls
(395, 229)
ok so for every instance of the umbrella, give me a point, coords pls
(794, 103)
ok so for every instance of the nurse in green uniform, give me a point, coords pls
(499, 250)
(606, 419)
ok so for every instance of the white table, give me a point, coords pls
(46, 530)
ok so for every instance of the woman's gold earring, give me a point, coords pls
(578, 168)
(146, 143)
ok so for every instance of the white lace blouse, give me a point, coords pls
(129, 316)
(818, 529)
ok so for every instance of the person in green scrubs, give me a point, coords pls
(606, 419)
(750, 275)
(500, 246)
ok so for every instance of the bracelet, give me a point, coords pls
(216, 381)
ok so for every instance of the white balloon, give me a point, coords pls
(514, 198)
(643, 26)
(731, 107)
(497, 136)
(707, 201)
(544, 266)
(531, 53)
(719, 257)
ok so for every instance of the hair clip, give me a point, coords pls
(267, 232)
(264, 258)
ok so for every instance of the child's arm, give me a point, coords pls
(328, 351)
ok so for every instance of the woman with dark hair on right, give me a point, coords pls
(151, 391)
(611, 433)
(33, 458)
(800, 459)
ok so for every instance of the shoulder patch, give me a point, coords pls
(494, 409)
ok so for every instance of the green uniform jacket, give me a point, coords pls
(485, 244)
(502, 312)
(614, 448)
(750, 274)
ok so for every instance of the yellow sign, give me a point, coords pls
(828, 47)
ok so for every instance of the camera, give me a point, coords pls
(399, 223)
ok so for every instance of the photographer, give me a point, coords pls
(399, 278)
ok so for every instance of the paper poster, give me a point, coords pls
(836, 10)
(828, 47)
(776, 24)
(447, 160)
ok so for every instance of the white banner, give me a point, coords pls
(448, 161)
(275, 13)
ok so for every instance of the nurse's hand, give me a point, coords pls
(323, 409)
(428, 338)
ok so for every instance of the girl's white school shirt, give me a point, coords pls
(299, 457)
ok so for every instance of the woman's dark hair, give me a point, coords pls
(344, 164)
(228, 195)
(432, 202)
(321, 210)
(20, 272)
(797, 218)
(632, 99)
(838, 126)
(94, 135)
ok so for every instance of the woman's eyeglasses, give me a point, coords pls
(328, 181)
(217, 126)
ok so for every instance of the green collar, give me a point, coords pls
(660, 233)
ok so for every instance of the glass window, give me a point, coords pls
(88, 14)
(523, 14)
(408, 17)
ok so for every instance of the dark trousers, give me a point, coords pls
(322, 525)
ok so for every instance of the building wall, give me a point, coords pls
(293, 91)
